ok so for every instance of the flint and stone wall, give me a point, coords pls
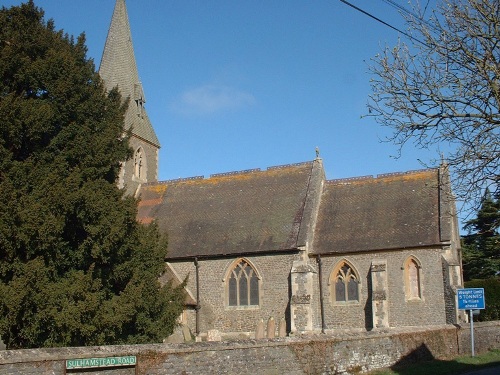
(279, 299)
(401, 312)
(273, 272)
(347, 353)
(150, 166)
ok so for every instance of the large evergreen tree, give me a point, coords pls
(481, 247)
(75, 266)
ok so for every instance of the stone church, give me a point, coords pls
(286, 247)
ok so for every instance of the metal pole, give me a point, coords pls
(471, 331)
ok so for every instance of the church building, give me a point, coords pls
(285, 247)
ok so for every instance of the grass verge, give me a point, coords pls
(459, 365)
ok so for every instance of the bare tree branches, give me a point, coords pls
(447, 90)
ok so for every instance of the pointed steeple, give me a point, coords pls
(119, 68)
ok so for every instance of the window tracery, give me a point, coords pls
(243, 285)
(344, 283)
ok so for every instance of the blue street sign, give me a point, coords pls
(470, 299)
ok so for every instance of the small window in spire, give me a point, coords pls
(139, 98)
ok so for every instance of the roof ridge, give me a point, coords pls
(379, 176)
(413, 171)
(181, 179)
(289, 165)
(232, 173)
(227, 174)
(348, 179)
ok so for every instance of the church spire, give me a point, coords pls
(119, 69)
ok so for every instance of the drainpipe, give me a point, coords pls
(197, 308)
(320, 275)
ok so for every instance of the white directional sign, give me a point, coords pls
(84, 363)
(471, 299)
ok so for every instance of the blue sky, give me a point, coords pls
(234, 85)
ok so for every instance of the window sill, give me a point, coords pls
(347, 303)
(243, 308)
(139, 180)
(414, 299)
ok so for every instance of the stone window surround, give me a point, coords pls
(140, 170)
(407, 282)
(225, 282)
(332, 280)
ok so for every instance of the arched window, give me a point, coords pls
(344, 283)
(242, 285)
(139, 164)
(412, 278)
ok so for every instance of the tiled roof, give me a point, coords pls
(234, 213)
(388, 212)
(118, 68)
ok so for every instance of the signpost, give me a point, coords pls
(471, 299)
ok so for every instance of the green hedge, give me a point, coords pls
(491, 296)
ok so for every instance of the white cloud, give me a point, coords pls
(210, 99)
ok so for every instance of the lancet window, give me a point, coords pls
(412, 276)
(139, 164)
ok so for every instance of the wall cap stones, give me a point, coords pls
(8, 357)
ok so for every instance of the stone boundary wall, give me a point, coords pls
(339, 353)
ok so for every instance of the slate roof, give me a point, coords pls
(388, 212)
(118, 68)
(236, 213)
